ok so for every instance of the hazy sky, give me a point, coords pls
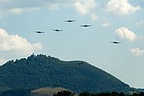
(111, 20)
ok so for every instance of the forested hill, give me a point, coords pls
(46, 71)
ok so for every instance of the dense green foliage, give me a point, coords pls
(111, 94)
(64, 93)
(16, 92)
(68, 93)
(141, 90)
(41, 71)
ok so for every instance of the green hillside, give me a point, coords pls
(45, 71)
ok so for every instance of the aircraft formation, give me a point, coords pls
(83, 25)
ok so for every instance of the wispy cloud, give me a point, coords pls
(121, 7)
(17, 44)
(137, 52)
(106, 24)
(93, 16)
(19, 6)
(81, 6)
(85, 6)
(137, 3)
(139, 23)
(125, 33)
(16, 10)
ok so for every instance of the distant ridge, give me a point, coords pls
(45, 71)
(140, 90)
(48, 91)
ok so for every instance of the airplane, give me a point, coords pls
(38, 31)
(57, 30)
(70, 20)
(115, 42)
(86, 25)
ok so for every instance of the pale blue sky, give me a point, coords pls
(111, 20)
